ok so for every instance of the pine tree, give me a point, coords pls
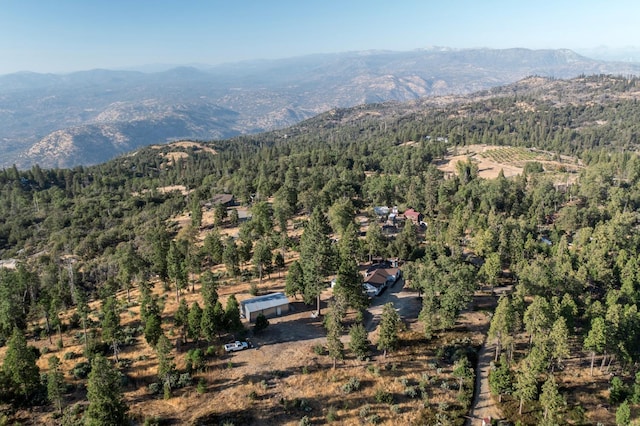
(463, 371)
(213, 320)
(207, 322)
(20, 364)
(219, 214)
(501, 379)
(177, 268)
(349, 245)
(111, 330)
(160, 241)
(82, 307)
(195, 321)
(526, 386)
(209, 288)
(389, 323)
(341, 215)
(359, 340)
(152, 323)
(349, 284)
(375, 241)
(196, 212)
(232, 314)
(294, 282)
(491, 269)
(262, 257)
(234, 218)
(213, 247)
(623, 414)
(537, 317)
(596, 340)
(55, 383)
(551, 401)
(501, 322)
(128, 266)
(316, 256)
(559, 339)
(231, 257)
(181, 319)
(107, 406)
(166, 366)
(333, 324)
(261, 323)
(635, 390)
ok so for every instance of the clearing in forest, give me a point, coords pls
(511, 160)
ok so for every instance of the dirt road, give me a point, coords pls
(405, 301)
(483, 405)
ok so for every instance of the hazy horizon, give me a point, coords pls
(629, 54)
(74, 35)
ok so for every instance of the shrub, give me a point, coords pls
(351, 386)
(533, 167)
(373, 369)
(154, 388)
(374, 419)
(81, 370)
(154, 421)
(253, 288)
(364, 411)
(305, 421)
(383, 397)
(253, 395)
(318, 349)
(95, 347)
(69, 355)
(411, 392)
(184, 380)
(617, 391)
(202, 386)
(261, 323)
(195, 358)
(332, 414)
(74, 320)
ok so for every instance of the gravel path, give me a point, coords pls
(483, 405)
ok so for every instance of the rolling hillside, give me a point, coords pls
(88, 117)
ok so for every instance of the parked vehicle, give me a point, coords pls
(236, 346)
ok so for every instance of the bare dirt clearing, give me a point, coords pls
(511, 160)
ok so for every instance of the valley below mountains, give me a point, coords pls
(88, 117)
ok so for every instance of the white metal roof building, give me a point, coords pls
(270, 305)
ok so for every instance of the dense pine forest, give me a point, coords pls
(560, 241)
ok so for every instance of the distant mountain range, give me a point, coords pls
(89, 117)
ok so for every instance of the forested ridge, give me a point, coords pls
(566, 241)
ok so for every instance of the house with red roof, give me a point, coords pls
(413, 216)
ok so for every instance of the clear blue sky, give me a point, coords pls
(69, 35)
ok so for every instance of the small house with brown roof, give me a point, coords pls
(381, 277)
